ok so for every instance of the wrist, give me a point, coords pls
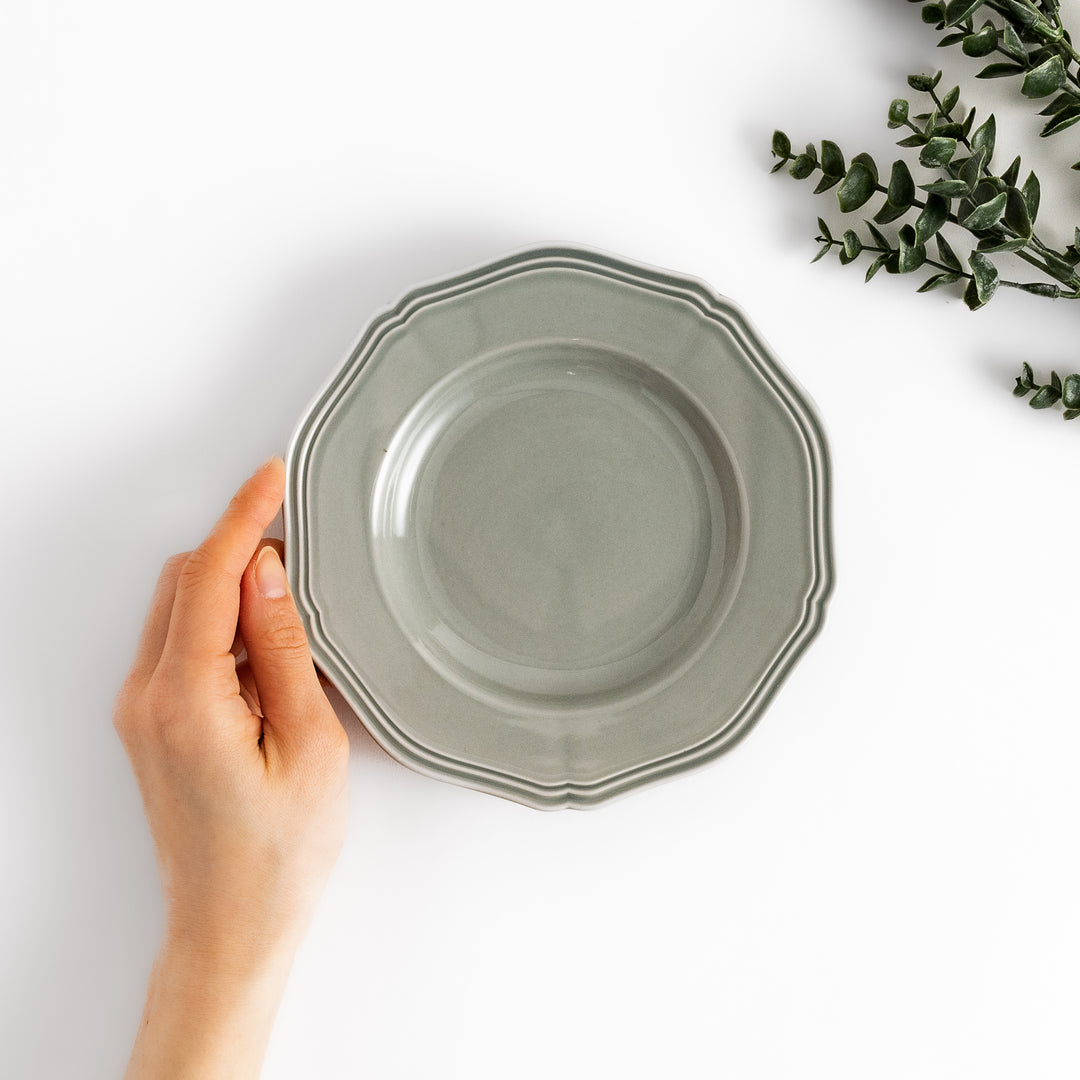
(214, 954)
(209, 1010)
(234, 930)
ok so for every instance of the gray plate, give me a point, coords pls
(558, 526)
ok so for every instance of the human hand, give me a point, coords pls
(243, 773)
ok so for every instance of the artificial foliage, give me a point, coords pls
(965, 192)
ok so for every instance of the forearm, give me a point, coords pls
(208, 1013)
(243, 770)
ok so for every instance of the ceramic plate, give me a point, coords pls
(558, 526)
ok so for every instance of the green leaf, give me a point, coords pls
(852, 247)
(1055, 106)
(922, 83)
(825, 183)
(822, 224)
(951, 39)
(951, 189)
(876, 265)
(991, 246)
(934, 214)
(984, 138)
(912, 253)
(1000, 71)
(1070, 414)
(971, 296)
(802, 166)
(898, 113)
(986, 276)
(1045, 398)
(868, 161)
(1047, 78)
(1016, 214)
(956, 11)
(1032, 192)
(1019, 390)
(986, 189)
(971, 169)
(982, 42)
(987, 214)
(879, 237)
(937, 152)
(948, 102)
(889, 213)
(1070, 392)
(811, 152)
(856, 187)
(1012, 173)
(781, 144)
(1025, 14)
(917, 139)
(901, 192)
(937, 281)
(832, 160)
(1028, 376)
(822, 251)
(1064, 119)
(1059, 269)
(1055, 381)
(1012, 44)
(947, 255)
(949, 129)
(933, 14)
(851, 242)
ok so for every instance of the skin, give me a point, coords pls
(243, 769)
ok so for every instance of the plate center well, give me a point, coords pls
(551, 523)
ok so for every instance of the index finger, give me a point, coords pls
(207, 603)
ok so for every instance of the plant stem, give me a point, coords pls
(878, 250)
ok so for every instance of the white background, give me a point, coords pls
(201, 207)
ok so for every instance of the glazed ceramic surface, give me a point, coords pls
(558, 526)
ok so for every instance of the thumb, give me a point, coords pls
(293, 705)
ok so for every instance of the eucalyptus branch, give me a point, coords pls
(1033, 41)
(996, 210)
(1066, 391)
(967, 193)
(850, 247)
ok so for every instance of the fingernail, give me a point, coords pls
(271, 460)
(270, 575)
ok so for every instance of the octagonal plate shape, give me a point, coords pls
(558, 526)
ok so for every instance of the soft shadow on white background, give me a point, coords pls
(84, 914)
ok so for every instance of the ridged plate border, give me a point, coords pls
(381, 725)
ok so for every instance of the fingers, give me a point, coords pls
(207, 603)
(293, 705)
(279, 546)
(156, 627)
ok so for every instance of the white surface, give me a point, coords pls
(202, 206)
